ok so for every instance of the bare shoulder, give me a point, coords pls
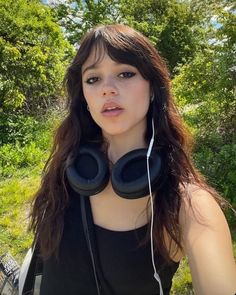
(201, 216)
(200, 207)
(206, 241)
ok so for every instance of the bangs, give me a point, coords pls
(121, 48)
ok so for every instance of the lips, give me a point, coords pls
(111, 109)
(108, 107)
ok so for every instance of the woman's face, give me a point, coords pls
(117, 95)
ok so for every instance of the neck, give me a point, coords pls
(121, 144)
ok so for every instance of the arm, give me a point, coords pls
(207, 244)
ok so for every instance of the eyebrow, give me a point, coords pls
(96, 65)
(91, 67)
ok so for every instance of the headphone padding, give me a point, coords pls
(129, 175)
(88, 174)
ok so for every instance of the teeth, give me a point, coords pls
(111, 108)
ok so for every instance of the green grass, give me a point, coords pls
(15, 196)
(182, 281)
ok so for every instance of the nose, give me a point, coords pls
(109, 88)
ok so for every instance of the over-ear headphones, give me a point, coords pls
(88, 174)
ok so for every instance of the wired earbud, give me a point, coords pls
(156, 275)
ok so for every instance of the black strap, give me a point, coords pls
(89, 243)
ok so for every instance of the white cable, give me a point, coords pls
(156, 275)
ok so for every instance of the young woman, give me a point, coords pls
(120, 201)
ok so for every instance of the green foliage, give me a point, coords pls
(33, 54)
(217, 161)
(205, 90)
(14, 157)
(17, 128)
(182, 281)
(77, 16)
(25, 142)
(15, 195)
(170, 25)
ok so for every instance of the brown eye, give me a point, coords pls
(127, 74)
(92, 80)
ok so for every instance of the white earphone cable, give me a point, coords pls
(156, 275)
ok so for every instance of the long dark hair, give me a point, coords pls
(125, 45)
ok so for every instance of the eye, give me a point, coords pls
(92, 80)
(127, 74)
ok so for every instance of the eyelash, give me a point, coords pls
(92, 80)
(126, 75)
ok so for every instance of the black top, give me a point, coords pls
(125, 266)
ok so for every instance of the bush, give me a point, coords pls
(25, 141)
(218, 164)
(15, 156)
(17, 128)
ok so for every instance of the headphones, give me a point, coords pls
(133, 176)
(89, 173)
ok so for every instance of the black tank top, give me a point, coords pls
(125, 264)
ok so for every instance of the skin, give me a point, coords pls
(206, 238)
(207, 244)
(111, 82)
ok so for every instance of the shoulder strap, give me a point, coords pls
(88, 240)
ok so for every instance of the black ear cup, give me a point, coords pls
(129, 174)
(89, 173)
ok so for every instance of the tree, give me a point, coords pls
(205, 89)
(208, 82)
(78, 16)
(170, 25)
(33, 54)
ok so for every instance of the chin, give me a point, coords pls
(114, 131)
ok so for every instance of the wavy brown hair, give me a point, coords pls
(124, 45)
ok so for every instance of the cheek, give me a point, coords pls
(90, 98)
(87, 94)
(142, 94)
(93, 104)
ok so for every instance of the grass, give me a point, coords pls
(15, 196)
(182, 281)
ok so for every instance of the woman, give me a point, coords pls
(110, 239)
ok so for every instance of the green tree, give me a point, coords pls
(33, 54)
(208, 82)
(170, 25)
(78, 16)
(206, 92)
